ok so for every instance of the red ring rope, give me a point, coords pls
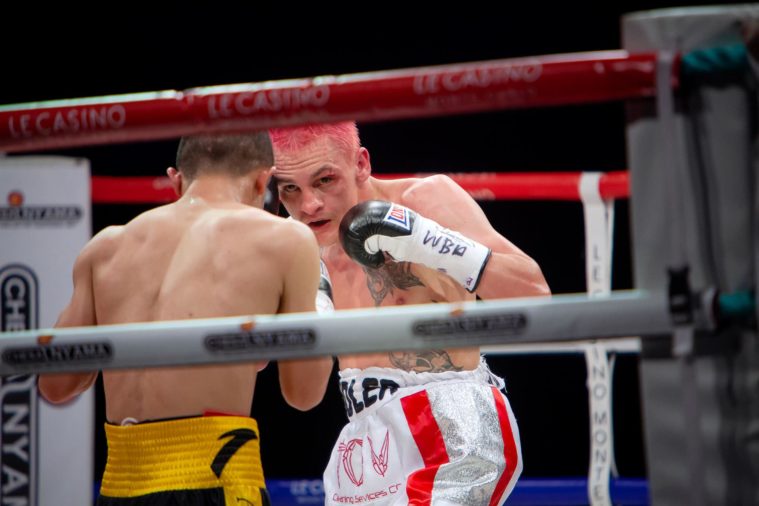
(482, 186)
(411, 93)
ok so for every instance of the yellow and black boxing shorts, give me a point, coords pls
(211, 460)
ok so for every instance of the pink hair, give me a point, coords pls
(344, 135)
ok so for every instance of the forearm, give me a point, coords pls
(61, 388)
(304, 381)
(512, 275)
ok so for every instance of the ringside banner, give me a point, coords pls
(47, 451)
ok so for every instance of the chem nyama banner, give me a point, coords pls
(47, 451)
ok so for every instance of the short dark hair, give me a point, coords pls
(235, 155)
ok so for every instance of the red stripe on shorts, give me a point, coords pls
(429, 440)
(509, 448)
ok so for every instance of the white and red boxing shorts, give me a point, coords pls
(424, 438)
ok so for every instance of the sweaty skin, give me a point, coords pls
(192, 259)
(319, 183)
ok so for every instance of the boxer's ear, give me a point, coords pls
(175, 178)
(363, 165)
(262, 180)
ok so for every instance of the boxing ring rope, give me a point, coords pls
(374, 96)
(563, 318)
(424, 92)
(481, 186)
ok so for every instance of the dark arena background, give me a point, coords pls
(127, 49)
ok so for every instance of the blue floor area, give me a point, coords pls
(528, 492)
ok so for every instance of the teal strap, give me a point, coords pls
(737, 304)
(714, 60)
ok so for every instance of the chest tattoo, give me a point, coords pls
(423, 361)
(381, 283)
(390, 275)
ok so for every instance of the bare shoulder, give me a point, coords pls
(151, 218)
(103, 243)
(273, 230)
(424, 194)
(156, 222)
(426, 186)
(106, 242)
(293, 232)
(110, 233)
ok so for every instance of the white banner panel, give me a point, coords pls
(47, 451)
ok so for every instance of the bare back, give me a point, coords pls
(188, 260)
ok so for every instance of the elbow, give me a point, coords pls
(302, 400)
(541, 289)
(63, 388)
(53, 395)
(304, 404)
(538, 284)
(303, 382)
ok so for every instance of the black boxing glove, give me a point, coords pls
(374, 226)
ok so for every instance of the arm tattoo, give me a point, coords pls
(423, 361)
(390, 275)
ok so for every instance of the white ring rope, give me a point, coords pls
(236, 339)
(630, 344)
